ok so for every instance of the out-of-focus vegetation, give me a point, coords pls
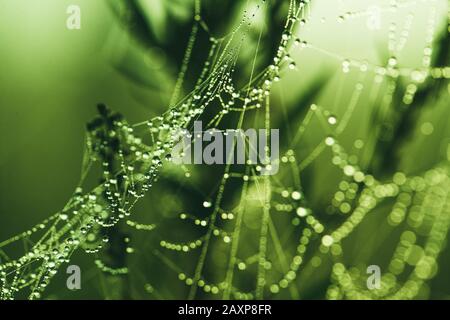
(358, 90)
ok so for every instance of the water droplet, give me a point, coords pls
(392, 61)
(327, 241)
(296, 195)
(329, 141)
(286, 35)
(301, 212)
(332, 120)
(207, 204)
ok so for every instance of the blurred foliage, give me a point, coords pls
(387, 138)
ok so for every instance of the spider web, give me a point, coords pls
(266, 227)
